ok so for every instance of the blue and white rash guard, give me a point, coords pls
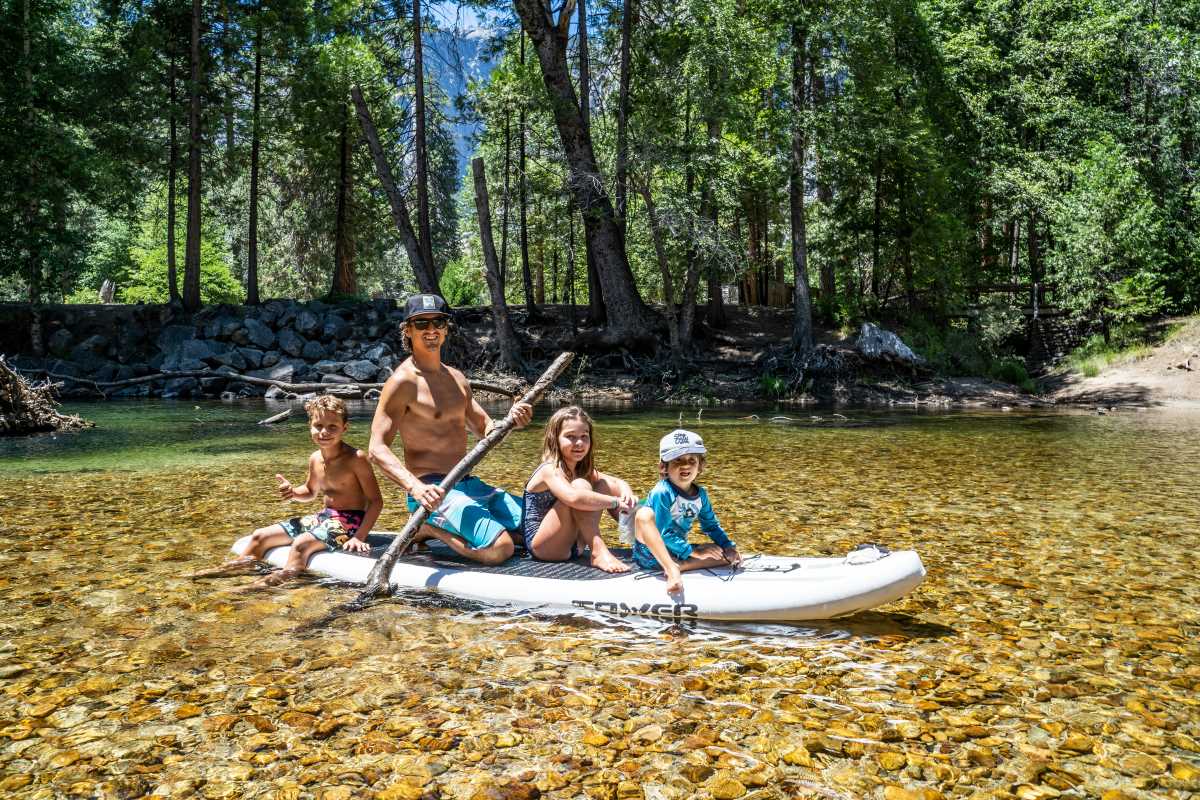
(675, 513)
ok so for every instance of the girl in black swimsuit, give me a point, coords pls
(566, 495)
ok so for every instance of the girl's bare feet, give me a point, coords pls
(606, 561)
(234, 566)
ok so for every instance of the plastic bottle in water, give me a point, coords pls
(625, 526)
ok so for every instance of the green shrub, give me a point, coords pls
(148, 281)
(772, 386)
(462, 285)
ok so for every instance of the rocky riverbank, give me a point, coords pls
(235, 352)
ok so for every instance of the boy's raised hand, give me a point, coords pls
(286, 490)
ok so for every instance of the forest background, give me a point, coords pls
(951, 164)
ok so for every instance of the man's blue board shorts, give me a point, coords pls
(473, 511)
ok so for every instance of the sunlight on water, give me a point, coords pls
(1052, 650)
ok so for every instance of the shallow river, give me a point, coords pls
(1052, 651)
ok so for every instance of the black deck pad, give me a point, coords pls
(436, 554)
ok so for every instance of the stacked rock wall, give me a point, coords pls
(282, 340)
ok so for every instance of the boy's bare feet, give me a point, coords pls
(608, 562)
(234, 566)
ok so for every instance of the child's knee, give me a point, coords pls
(260, 534)
(500, 551)
(583, 484)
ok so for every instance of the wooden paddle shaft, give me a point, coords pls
(377, 581)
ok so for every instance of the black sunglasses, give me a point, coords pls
(439, 323)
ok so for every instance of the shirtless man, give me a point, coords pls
(430, 406)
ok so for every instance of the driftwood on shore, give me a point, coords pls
(296, 388)
(31, 408)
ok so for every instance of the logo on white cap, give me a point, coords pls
(429, 302)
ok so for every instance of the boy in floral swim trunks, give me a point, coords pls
(352, 501)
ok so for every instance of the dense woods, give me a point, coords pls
(954, 164)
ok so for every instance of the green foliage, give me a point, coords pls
(1011, 370)
(462, 285)
(1111, 249)
(772, 386)
(148, 281)
(1125, 343)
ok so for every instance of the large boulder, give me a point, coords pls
(200, 350)
(269, 311)
(307, 323)
(360, 370)
(334, 378)
(222, 327)
(172, 336)
(271, 358)
(60, 342)
(377, 353)
(327, 367)
(258, 334)
(233, 358)
(180, 387)
(252, 357)
(314, 350)
(336, 329)
(876, 343)
(290, 342)
(283, 373)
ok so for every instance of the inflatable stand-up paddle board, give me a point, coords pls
(763, 588)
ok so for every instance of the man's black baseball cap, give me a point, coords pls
(422, 304)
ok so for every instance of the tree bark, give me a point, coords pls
(507, 200)
(531, 309)
(622, 167)
(595, 315)
(420, 146)
(691, 278)
(510, 347)
(252, 234)
(33, 266)
(191, 260)
(426, 279)
(629, 319)
(658, 238)
(828, 277)
(345, 279)
(877, 226)
(172, 164)
(802, 327)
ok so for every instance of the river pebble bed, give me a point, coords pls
(1051, 652)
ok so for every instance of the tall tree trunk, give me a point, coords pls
(658, 237)
(629, 319)
(252, 234)
(987, 247)
(877, 226)
(422, 152)
(802, 327)
(172, 165)
(507, 200)
(227, 100)
(691, 277)
(33, 266)
(595, 315)
(531, 309)
(345, 278)
(191, 260)
(824, 188)
(427, 281)
(1033, 246)
(622, 167)
(571, 261)
(709, 211)
(539, 280)
(510, 346)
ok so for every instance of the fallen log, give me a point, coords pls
(296, 388)
(31, 408)
(271, 420)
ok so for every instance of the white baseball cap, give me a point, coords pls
(680, 443)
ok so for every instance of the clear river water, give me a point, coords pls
(1053, 651)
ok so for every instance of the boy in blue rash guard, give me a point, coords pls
(664, 521)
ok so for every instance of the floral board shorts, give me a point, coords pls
(329, 525)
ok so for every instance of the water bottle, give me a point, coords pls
(625, 526)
